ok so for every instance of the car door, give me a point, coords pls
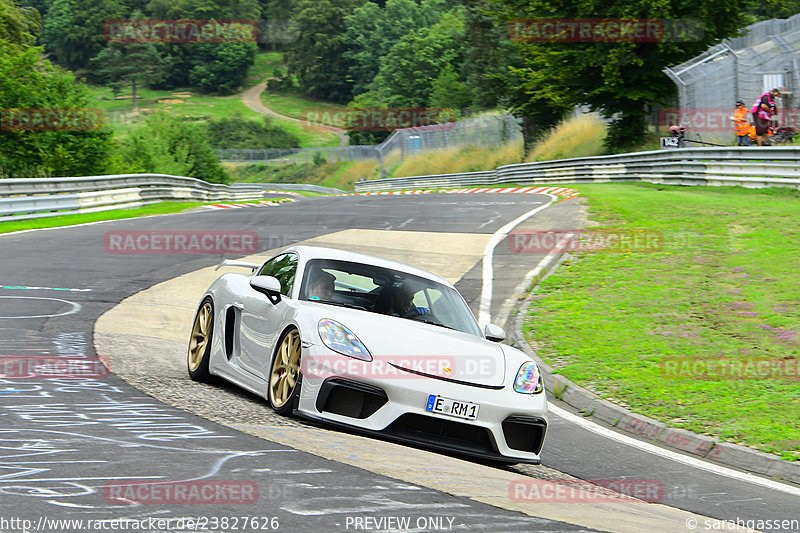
(262, 320)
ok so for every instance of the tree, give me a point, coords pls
(447, 91)
(18, 25)
(221, 67)
(45, 126)
(618, 78)
(410, 68)
(129, 64)
(73, 29)
(317, 57)
(372, 31)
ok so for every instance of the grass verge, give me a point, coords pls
(161, 208)
(298, 106)
(466, 159)
(341, 175)
(722, 289)
(576, 136)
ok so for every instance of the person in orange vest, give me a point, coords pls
(740, 124)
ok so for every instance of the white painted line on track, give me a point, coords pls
(668, 454)
(485, 308)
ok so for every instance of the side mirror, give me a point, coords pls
(494, 333)
(268, 286)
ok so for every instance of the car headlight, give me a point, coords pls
(341, 340)
(529, 379)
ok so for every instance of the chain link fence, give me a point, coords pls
(484, 132)
(709, 85)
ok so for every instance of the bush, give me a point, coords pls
(239, 132)
(166, 145)
(28, 83)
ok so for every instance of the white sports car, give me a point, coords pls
(373, 345)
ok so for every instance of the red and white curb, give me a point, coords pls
(248, 204)
(558, 191)
(419, 191)
(290, 193)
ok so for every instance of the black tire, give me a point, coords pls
(285, 378)
(199, 351)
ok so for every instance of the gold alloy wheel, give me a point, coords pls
(285, 370)
(200, 336)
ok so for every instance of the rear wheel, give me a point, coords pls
(200, 341)
(285, 376)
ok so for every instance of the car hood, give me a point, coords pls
(423, 348)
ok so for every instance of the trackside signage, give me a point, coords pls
(180, 242)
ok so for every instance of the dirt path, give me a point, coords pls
(252, 99)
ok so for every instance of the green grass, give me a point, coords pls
(263, 68)
(724, 286)
(576, 136)
(297, 106)
(309, 137)
(193, 106)
(182, 103)
(83, 218)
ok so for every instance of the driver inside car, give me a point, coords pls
(398, 301)
(321, 286)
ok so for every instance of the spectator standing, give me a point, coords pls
(763, 111)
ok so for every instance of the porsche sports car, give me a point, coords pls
(374, 345)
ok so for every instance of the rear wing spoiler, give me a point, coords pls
(232, 263)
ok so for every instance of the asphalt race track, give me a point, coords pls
(64, 442)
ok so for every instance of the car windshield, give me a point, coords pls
(388, 292)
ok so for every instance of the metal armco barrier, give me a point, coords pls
(745, 166)
(47, 197)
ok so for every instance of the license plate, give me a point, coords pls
(457, 408)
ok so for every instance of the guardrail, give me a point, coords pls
(48, 197)
(744, 166)
(299, 187)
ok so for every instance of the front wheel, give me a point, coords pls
(285, 376)
(200, 341)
